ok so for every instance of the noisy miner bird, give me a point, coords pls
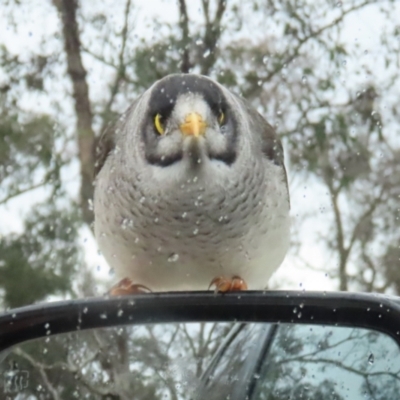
(191, 191)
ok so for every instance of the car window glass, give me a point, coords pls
(316, 362)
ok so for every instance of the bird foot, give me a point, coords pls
(223, 284)
(126, 287)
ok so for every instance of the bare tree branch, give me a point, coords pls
(185, 41)
(41, 369)
(22, 191)
(314, 34)
(77, 73)
(343, 252)
(120, 67)
(211, 35)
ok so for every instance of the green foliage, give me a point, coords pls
(27, 156)
(42, 260)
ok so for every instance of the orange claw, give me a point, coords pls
(126, 287)
(223, 284)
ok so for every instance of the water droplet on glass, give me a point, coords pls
(124, 223)
(371, 359)
(173, 258)
(90, 204)
(206, 53)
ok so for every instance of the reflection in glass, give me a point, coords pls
(315, 362)
(205, 361)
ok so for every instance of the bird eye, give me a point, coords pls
(158, 124)
(221, 118)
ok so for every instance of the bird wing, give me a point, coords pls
(106, 142)
(270, 144)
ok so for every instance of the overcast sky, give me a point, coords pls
(38, 20)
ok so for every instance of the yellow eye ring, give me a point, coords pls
(158, 124)
(221, 118)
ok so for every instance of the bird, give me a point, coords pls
(191, 191)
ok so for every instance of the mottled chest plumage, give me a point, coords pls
(173, 213)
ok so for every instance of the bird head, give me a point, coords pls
(188, 119)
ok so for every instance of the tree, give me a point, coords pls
(332, 100)
(333, 109)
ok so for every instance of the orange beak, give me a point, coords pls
(193, 125)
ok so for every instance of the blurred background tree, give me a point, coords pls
(325, 74)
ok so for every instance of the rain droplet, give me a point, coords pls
(174, 257)
(371, 359)
(184, 215)
(124, 223)
(195, 231)
(90, 204)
